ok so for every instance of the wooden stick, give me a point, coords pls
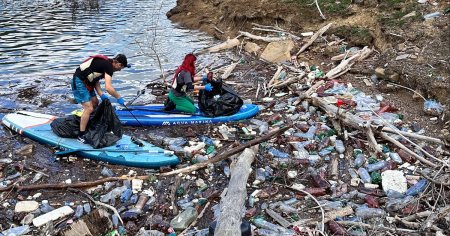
(233, 203)
(230, 43)
(173, 194)
(313, 38)
(278, 218)
(400, 145)
(372, 141)
(320, 12)
(228, 70)
(228, 153)
(413, 135)
(374, 227)
(265, 39)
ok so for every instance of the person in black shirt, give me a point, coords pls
(86, 79)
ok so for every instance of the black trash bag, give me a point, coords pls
(221, 101)
(103, 129)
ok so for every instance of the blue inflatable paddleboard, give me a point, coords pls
(153, 115)
(37, 127)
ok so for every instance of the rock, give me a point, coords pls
(380, 72)
(394, 77)
(393, 180)
(26, 150)
(401, 47)
(182, 221)
(252, 48)
(278, 51)
(53, 215)
(26, 206)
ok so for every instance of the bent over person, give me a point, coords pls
(182, 83)
(87, 78)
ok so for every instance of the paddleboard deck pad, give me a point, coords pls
(153, 115)
(125, 152)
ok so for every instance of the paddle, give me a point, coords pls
(166, 152)
(161, 110)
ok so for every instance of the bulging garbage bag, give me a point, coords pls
(221, 101)
(103, 129)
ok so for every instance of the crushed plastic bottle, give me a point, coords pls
(417, 188)
(17, 231)
(107, 172)
(126, 195)
(339, 145)
(277, 153)
(367, 213)
(79, 211)
(45, 207)
(376, 166)
(87, 208)
(395, 157)
(364, 175)
(360, 159)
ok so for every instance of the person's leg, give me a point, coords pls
(183, 103)
(82, 96)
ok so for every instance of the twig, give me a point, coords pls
(374, 227)
(314, 37)
(220, 31)
(432, 179)
(195, 221)
(113, 209)
(413, 135)
(265, 39)
(318, 7)
(317, 202)
(401, 86)
(173, 194)
(400, 145)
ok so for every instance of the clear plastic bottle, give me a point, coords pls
(360, 159)
(364, 175)
(16, 231)
(79, 211)
(339, 145)
(107, 172)
(395, 157)
(417, 188)
(126, 195)
(308, 135)
(37, 177)
(87, 208)
(260, 174)
(261, 223)
(277, 153)
(376, 166)
(367, 213)
(45, 207)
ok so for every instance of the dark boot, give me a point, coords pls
(169, 105)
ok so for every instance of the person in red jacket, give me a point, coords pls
(86, 81)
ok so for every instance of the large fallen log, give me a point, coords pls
(230, 43)
(232, 205)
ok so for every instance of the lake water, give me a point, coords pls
(43, 42)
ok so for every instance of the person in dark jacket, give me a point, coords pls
(183, 82)
(87, 78)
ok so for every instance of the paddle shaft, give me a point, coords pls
(107, 150)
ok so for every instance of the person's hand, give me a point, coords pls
(209, 77)
(121, 101)
(104, 97)
(208, 87)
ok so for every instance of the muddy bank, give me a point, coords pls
(394, 28)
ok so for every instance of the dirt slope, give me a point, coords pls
(393, 27)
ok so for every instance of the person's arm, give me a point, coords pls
(109, 88)
(98, 89)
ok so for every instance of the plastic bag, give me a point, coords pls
(221, 101)
(103, 129)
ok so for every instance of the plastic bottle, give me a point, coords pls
(37, 177)
(432, 15)
(226, 170)
(79, 211)
(87, 208)
(364, 175)
(126, 195)
(319, 181)
(339, 145)
(395, 157)
(207, 140)
(260, 174)
(134, 198)
(308, 135)
(417, 188)
(277, 153)
(360, 159)
(376, 166)
(261, 223)
(16, 231)
(45, 207)
(115, 221)
(367, 213)
(107, 172)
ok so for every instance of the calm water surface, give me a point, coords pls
(42, 43)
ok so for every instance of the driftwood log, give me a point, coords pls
(232, 205)
(313, 38)
(265, 39)
(230, 43)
